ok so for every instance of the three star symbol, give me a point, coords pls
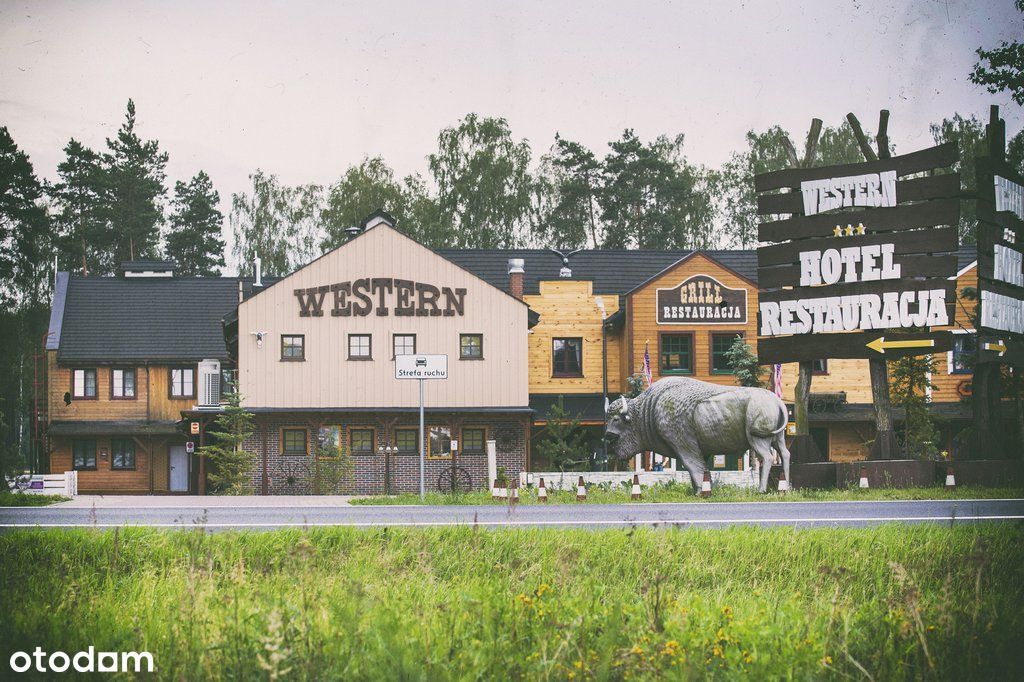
(849, 231)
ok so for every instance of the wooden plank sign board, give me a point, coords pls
(1000, 262)
(864, 266)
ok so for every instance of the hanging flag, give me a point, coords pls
(777, 379)
(648, 377)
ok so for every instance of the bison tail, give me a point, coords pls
(784, 418)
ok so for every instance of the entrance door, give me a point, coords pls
(179, 469)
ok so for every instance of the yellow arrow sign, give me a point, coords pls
(880, 344)
(997, 347)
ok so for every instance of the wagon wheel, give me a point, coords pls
(454, 480)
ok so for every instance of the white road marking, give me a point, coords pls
(596, 522)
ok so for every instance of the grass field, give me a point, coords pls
(9, 499)
(605, 494)
(885, 603)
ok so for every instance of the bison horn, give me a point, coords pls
(625, 405)
(607, 405)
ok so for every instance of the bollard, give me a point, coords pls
(495, 491)
(635, 495)
(783, 483)
(514, 492)
(542, 492)
(705, 486)
(581, 491)
(864, 478)
(950, 479)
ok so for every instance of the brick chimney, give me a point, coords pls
(515, 277)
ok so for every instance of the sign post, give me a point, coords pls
(421, 368)
(1000, 312)
(862, 267)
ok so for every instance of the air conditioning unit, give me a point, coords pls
(209, 383)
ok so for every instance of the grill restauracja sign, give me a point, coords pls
(702, 299)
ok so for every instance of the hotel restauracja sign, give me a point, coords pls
(382, 296)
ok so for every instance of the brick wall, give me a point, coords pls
(365, 474)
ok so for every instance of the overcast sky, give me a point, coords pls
(303, 89)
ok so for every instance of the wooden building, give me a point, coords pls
(135, 362)
(316, 365)
(126, 356)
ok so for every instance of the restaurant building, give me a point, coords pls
(138, 365)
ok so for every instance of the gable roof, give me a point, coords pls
(159, 319)
(613, 271)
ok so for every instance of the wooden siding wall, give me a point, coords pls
(105, 479)
(151, 390)
(328, 379)
(642, 324)
(852, 375)
(568, 309)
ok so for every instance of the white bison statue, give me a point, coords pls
(691, 420)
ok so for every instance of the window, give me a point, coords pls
(84, 383)
(293, 442)
(473, 441)
(471, 346)
(965, 348)
(183, 382)
(361, 441)
(83, 455)
(122, 453)
(676, 354)
(359, 347)
(720, 344)
(328, 442)
(405, 441)
(293, 347)
(439, 442)
(122, 384)
(403, 344)
(567, 357)
(820, 367)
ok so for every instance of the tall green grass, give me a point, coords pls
(885, 603)
(682, 492)
(9, 499)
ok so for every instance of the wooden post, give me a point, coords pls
(885, 441)
(202, 458)
(803, 448)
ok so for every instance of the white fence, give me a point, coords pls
(65, 484)
(557, 480)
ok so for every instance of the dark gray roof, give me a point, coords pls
(158, 319)
(116, 428)
(587, 407)
(613, 271)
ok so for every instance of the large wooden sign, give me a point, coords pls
(1000, 255)
(863, 266)
(702, 299)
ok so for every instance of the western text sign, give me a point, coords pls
(702, 299)
(421, 366)
(382, 296)
(871, 190)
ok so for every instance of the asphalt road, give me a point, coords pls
(700, 515)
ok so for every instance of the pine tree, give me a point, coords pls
(229, 461)
(85, 240)
(24, 228)
(743, 363)
(564, 442)
(909, 385)
(194, 241)
(135, 173)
